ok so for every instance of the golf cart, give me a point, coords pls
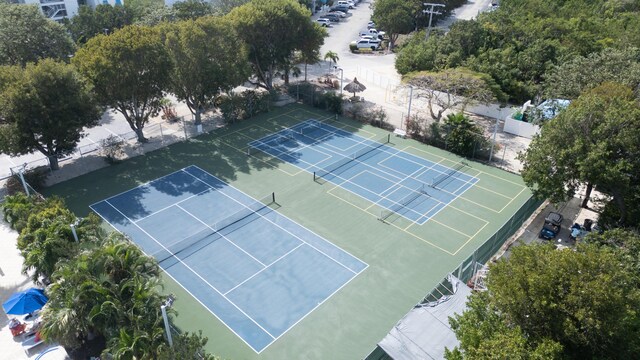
(551, 226)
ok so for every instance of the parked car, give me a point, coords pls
(551, 226)
(332, 17)
(371, 25)
(367, 44)
(343, 8)
(373, 32)
(370, 38)
(324, 22)
(348, 4)
(339, 13)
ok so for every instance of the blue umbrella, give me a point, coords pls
(25, 302)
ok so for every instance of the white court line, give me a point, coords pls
(176, 203)
(193, 271)
(166, 271)
(263, 269)
(139, 186)
(222, 236)
(287, 231)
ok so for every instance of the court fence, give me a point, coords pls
(117, 147)
(466, 270)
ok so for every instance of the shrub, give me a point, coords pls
(112, 149)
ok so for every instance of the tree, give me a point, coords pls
(463, 137)
(129, 69)
(572, 78)
(88, 22)
(595, 142)
(45, 107)
(188, 346)
(192, 9)
(27, 36)
(556, 304)
(209, 59)
(395, 17)
(105, 290)
(451, 89)
(273, 31)
(332, 56)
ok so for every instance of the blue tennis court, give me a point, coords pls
(256, 270)
(402, 184)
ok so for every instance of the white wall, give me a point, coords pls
(520, 128)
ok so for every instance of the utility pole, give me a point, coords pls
(431, 11)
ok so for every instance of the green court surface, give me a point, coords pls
(406, 260)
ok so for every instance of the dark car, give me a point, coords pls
(343, 8)
(551, 226)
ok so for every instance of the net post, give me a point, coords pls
(314, 176)
(273, 197)
(388, 138)
(249, 151)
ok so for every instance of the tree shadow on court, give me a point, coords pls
(222, 153)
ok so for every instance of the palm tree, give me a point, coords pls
(332, 57)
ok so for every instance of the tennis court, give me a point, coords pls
(400, 183)
(257, 271)
(360, 177)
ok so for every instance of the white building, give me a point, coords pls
(60, 9)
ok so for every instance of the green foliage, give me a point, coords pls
(192, 9)
(242, 106)
(463, 136)
(273, 31)
(141, 8)
(208, 59)
(130, 70)
(26, 35)
(395, 17)
(594, 141)
(524, 40)
(188, 346)
(553, 304)
(623, 241)
(452, 89)
(329, 101)
(569, 79)
(45, 108)
(17, 208)
(110, 290)
(88, 22)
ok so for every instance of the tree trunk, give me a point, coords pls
(587, 196)
(198, 116)
(53, 162)
(618, 198)
(140, 135)
(305, 72)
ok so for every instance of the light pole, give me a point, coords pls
(431, 11)
(341, 77)
(409, 110)
(163, 308)
(495, 132)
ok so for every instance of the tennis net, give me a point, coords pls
(331, 168)
(411, 197)
(192, 243)
(442, 178)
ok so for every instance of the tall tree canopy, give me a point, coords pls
(89, 22)
(395, 17)
(545, 303)
(524, 39)
(44, 107)
(452, 88)
(273, 31)
(26, 35)
(130, 70)
(594, 142)
(208, 59)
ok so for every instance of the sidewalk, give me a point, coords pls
(12, 280)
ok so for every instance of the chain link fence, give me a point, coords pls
(124, 145)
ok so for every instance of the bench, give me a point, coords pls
(401, 133)
(31, 341)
